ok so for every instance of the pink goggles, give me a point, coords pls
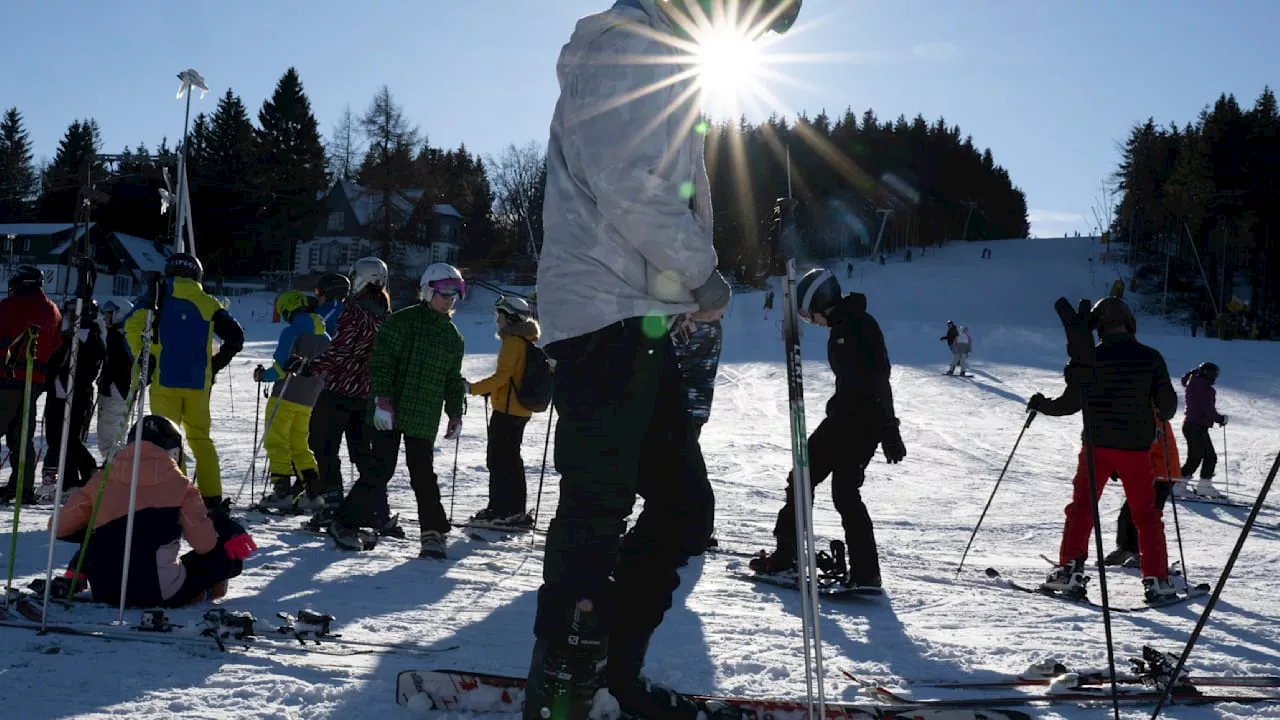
(449, 287)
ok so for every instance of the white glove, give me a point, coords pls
(384, 418)
(454, 428)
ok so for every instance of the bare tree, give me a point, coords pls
(388, 163)
(518, 178)
(345, 147)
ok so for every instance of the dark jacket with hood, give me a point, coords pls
(860, 361)
(1130, 379)
(1202, 400)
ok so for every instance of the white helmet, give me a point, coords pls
(443, 278)
(368, 271)
(513, 307)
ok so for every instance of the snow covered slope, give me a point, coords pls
(723, 634)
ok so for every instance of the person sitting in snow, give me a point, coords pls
(860, 418)
(1202, 413)
(507, 490)
(168, 510)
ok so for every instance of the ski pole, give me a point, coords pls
(1222, 583)
(1087, 411)
(253, 464)
(1030, 416)
(537, 505)
(133, 503)
(1177, 527)
(62, 456)
(1226, 476)
(453, 486)
(33, 333)
(266, 428)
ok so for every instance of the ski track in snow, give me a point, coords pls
(723, 634)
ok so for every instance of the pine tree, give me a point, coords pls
(223, 164)
(66, 174)
(18, 179)
(388, 167)
(291, 158)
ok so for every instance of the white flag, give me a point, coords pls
(189, 79)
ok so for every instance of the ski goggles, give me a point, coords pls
(450, 287)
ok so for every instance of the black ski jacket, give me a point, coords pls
(118, 365)
(1130, 379)
(88, 362)
(860, 361)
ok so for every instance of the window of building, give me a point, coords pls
(337, 221)
(122, 285)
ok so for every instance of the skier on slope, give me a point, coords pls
(340, 408)
(332, 291)
(768, 302)
(1164, 466)
(80, 463)
(628, 246)
(697, 347)
(168, 510)
(26, 305)
(185, 365)
(860, 417)
(1201, 414)
(416, 368)
(115, 378)
(507, 490)
(950, 339)
(1127, 380)
(287, 420)
(961, 346)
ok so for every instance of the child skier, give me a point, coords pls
(80, 463)
(115, 379)
(416, 368)
(331, 292)
(168, 510)
(507, 491)
(25, 306)
(288, 414)
(1128, 378)
(1164, 465)
(860, 417)
(1202, 413)
(340, 408)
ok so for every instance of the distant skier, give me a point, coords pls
(25, 306)
(1164, 466)
(697, 346)
(169, 510)
(508, 494)
(768, 303)
(1201, 414)
(80, 463)
(848, 268)
(1127, 380)
(860, 417)
(415, 370)
(331, 292)
(961, 346)
(115, 378)
(949, 338)
(340, 409)
(287, 418)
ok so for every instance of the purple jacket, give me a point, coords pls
(1201, 402)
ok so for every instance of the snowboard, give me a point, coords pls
(456, 693)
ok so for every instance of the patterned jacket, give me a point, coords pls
(417, 364)
(346, 364)
(628, 223)
(697, 346)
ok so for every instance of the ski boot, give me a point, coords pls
(490, 519)
(568, 671)
(306, 501)
(48, 486)
(780, 562)
(390, 528)
(1068, 580)
(1122, 557)
(1205, 488)
(1158, 591)
(280, 499)
(432, 545)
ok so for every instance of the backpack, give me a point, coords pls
(535, 386)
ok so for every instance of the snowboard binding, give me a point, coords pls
(307, 625)
(1156, 669)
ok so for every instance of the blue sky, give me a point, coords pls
(1051, 87)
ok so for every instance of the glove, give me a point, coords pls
(1223, 421)
(384, 418)
(1036, 403)
(454, 428)
(891, 443)
(240, 547)
(257, 373)
(466, 387)
(293, 364)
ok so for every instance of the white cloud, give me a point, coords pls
(937, 50)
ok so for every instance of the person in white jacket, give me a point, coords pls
(960, 348)
(115, 379)
(628, 251)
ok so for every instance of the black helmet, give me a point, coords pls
(161, 431)
(25, 279)
(184, 265)
(817, 291)
(334, 285)
(1112, 312)
(1209, 370)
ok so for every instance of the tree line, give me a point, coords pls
(257, 188)
(1203, 199)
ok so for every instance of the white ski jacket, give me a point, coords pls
(627, 214)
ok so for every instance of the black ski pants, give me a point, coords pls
(842, 449)
(333, 417)
(508, 494)
(80, 462)
(11, 400)
(366, 504)
(1200, 452)
(621, 431)
(1126, 531)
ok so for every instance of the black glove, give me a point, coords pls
(1036, 403)
(223, 525)
(891, 443)
(714, 293)
(257, 373)
(1223, 421)
(293, 364)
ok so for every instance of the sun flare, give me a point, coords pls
(729, 70)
